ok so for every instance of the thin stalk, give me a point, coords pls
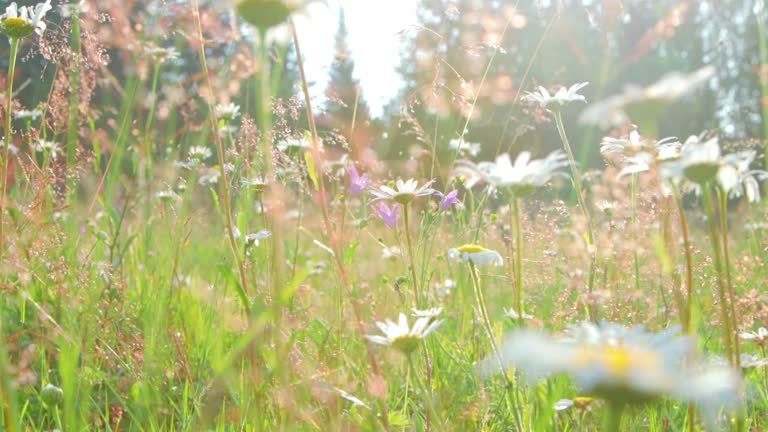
(576, 179)
(427, 397)
(518, 260)
(723, 199)
(635, 227)
(225, 192)
(150, 119)
(74, 95)
(721, 289)
(688, 260)
(8, 134)
(481, 305)
(613, 417)
(412, 264)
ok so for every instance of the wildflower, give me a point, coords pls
(450, 199)
(357, 183)
(28, 114)
(162, 55)
(735, 177)
(475, 254)
(52, 395)
(759, 337)
(253, 238)
(50, 147)
(227, 112)
(259, 184)
(387, 214)
(401, 336)
(444, 289)
(404, 191)
(464, 148)
(18, 22)
(623, 365)
(227, 129)
(751, 361)
(209, 177)
(391, 252)
(582, 403)
(200, 152)
(615, 110)
(431, 313)
(563, 97)
(700, 160)
(521, 178)
(293, 143)
(167, 196)
(512, 314)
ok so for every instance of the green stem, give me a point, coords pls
(150, 119)
(688, 260)
(427, 393)
(721, 289)
(635, 227)
(481, 305)
(518, 260)
(410, 254)
(576, 179)
(8, 140)
(723, 199)
(613, 416)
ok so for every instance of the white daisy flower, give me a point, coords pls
(563, 97)
(512, 314)
(253, 238)
(759, 337)
(162, 55)
(401, 336)
(200, 152)
(737, 179)
(167, 196)
(700, 160)
(227, 112)
(28, 114)
(404, 191)
(475, 254)
(751, 361)
(623, 365)
(521, 178)
(445, 288)
(431, 313)
(464, 148)
(294, 143)
(391, 253)
(50, 147)
(613, 111)
(19, 22)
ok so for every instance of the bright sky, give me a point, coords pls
(373, 41)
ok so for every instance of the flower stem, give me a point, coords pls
(576, 179)
(518, 260)
(427, 393)
(410, 254)
(481, 305)
(613, 417)
(723, 198)
(688, 260)
(721, 289)
(635, 227)
(8, 134)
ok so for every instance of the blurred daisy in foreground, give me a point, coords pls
(637, 103)
(404, 191)
(562, 98)
(623, 365)
(476, 255)
(401, 336)
(521, 178)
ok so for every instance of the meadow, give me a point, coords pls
(189, 241)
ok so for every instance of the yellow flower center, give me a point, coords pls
(618, 360)
(471, 248)
(16, 27)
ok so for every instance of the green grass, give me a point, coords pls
(153, 315)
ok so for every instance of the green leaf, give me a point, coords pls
(230, 277)
(311, 168)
